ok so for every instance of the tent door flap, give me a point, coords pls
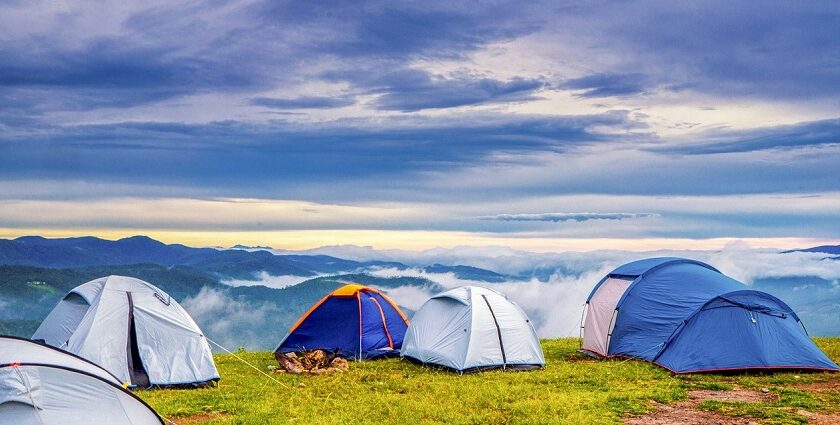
(138, 375)
(498, 330)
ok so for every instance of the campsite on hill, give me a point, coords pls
(419, 212)
(573, 388)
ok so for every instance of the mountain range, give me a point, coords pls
(36, 272)
(227, 263)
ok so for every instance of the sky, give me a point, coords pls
(538, 126)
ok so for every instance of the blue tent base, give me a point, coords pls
(756, 370)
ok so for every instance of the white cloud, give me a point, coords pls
(554, 306)
(410, 297)
(558, 217)
(227, 321)
(271, 281)
(747, 264)
(736, 259)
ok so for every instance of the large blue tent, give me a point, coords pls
(354, 321)
(686, 316)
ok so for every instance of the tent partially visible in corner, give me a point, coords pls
(354, 321)
(686, 316)
(42, 385)
(132, 329)
(472, 328)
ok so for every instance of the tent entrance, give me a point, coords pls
(136, 370)
(498, 330)
(600, 315)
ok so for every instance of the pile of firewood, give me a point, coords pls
(315, 362)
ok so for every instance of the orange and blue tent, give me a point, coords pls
(354, 321)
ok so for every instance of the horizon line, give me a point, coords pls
(418, 240)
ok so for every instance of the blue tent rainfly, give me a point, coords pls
(686, 316)
(354, 321)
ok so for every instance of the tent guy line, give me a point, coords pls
(246, 362)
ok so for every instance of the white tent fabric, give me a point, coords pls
(102, 320)
(44, 386)
(18, 350)
(470, 328)
(599, 321)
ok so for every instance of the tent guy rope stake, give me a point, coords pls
(244, 361)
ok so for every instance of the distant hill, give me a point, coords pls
(825, 249)
(90, 251)
(468, 272)
(246, 247)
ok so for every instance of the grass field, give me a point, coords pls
(571, 389)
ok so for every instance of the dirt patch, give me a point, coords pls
(199, 418)
(819, 418)
(687, 412)
(830, 385)
(736, 395)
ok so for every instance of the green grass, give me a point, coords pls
(571, 389)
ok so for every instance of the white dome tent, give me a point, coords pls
(42, 385)
(472, 328)
(132, 329)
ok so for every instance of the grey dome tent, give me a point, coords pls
(472, 328)
(132, 329)
(42, 385)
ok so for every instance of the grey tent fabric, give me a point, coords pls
(472, 328)
(40, 385)
(132, 329)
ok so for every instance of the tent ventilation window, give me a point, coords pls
(160, 298)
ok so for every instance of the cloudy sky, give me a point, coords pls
(536, 125)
